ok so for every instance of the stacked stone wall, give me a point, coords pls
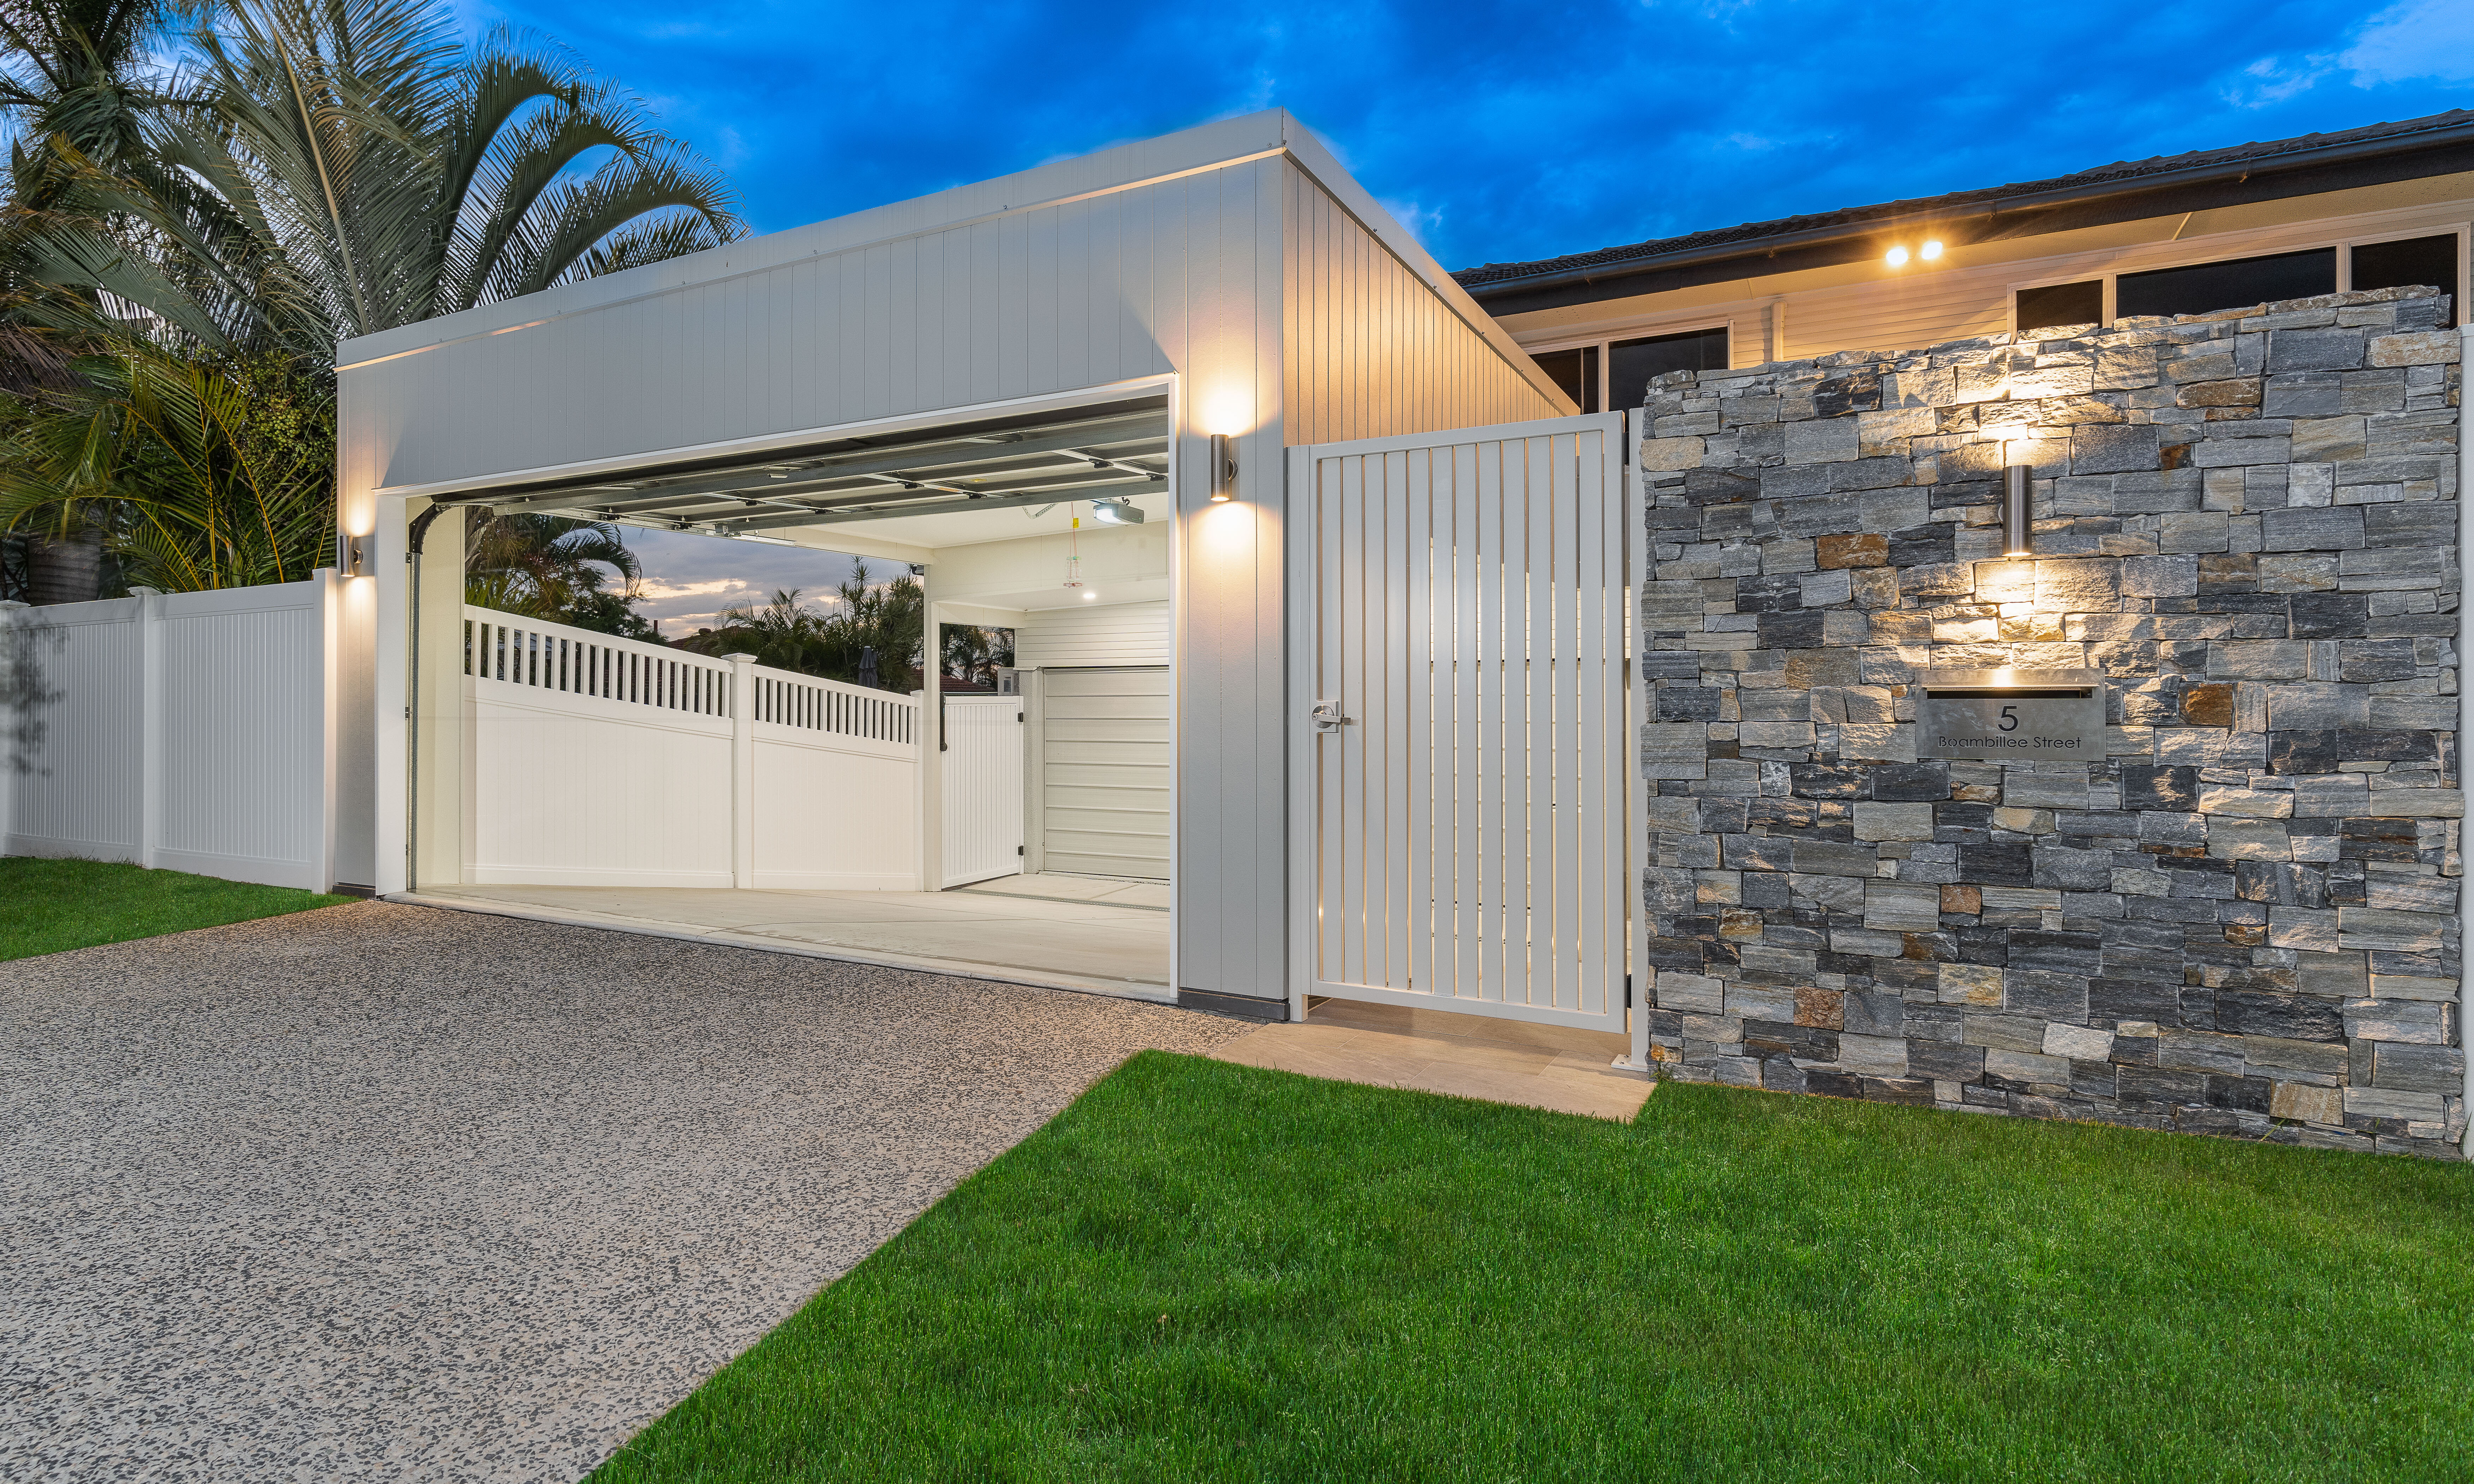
(2241, 922)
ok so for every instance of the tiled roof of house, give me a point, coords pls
(2127, 174)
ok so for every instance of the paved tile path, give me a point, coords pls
(385, 1191)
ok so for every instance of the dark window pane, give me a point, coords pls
(2204, 287)
(1631, 363)
(1576, 371)
(2061, 303)
(2393, 265)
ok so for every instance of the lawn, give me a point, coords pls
(1205, 1271)
(47, 906)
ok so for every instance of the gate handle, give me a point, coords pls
(1327, 718)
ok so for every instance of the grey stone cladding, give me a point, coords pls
(2242, 921)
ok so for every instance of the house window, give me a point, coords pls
(1576, 371)
(2204, 287)
(1630, 364)
(2057, 304)
(2417, 260)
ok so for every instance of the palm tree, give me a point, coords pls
(203, 500)
(550, 567)
(77, 84)
(359, 168)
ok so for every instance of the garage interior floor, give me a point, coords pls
(1092, 933)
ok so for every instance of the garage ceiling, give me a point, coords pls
(1087, 453)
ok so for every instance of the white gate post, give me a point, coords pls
(743, 770)
(150, 724)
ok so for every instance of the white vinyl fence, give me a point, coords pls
(196, 731)
(603, 761)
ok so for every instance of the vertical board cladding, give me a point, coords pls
(1369, 350)
(1083, 292)
(2241, 920)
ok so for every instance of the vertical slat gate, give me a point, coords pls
(1468, 847)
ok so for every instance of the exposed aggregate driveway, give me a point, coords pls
(389, 1191)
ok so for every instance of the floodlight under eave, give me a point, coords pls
(1116, 513)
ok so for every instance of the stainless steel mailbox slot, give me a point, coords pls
(2011, 715)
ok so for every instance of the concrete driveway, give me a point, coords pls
(394, 1192)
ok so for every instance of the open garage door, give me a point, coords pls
(1100, 771)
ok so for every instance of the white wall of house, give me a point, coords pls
(1184, 263)
(1870, 305)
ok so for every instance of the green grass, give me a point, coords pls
(1203, 1271)
(47, 906)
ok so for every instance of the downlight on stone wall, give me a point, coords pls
(2240, 919)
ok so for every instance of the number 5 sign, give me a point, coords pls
(2011, 715)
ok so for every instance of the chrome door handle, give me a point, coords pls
(1327, 718)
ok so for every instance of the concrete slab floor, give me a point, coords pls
(1498, 1061)
(384, 1193)
(1015, 937)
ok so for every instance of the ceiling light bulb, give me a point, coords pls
(1898, 257)
(1089, 596)
(1932, 250)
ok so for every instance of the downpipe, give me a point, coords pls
(418, 532)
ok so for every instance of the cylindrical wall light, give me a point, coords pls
(2018, 534)
(1224, 468)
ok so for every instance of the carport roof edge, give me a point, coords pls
(1119, 167)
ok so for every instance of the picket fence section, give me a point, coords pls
(603, 761)
(196, 731)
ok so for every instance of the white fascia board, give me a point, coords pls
(1320, 164)
(1187, 152)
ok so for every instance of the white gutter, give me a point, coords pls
(2465, 646)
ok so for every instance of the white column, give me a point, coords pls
(743, 770)
(329, 720)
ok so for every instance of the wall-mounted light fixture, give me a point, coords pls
(1897, 255)
(1224, 468)
(2018, 533)
(1931, 250)
(1116, 513)
(355, 561)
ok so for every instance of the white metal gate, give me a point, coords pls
(1462, 718)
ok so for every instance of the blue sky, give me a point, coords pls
(1505, 132)
(1494, 131)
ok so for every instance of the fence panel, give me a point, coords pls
(191, 731)
(598, 760)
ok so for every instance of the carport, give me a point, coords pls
(1135, 340)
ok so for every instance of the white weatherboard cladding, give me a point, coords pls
(193, 731)
(985, 762)
(1102, 633)
(1104, 772)
(1464, 812)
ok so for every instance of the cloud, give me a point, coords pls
(2419, 38)
(689, 579)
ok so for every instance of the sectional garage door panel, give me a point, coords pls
(1103, 775)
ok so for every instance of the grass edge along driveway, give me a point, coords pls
(1207, 1271)
(55, 906)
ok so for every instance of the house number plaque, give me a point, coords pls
(2011, 716)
